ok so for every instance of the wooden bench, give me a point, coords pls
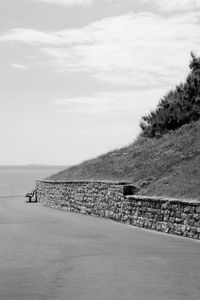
(31, 195)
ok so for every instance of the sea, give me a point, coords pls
(19, 180)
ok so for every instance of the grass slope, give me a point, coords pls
(169, 166)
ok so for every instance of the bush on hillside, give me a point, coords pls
(180, 106)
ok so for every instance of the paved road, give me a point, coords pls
(47, 254)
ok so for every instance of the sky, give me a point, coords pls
(76, 76)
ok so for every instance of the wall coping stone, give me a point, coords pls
(163, 199)
(85, 181)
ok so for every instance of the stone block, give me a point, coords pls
(129, 190)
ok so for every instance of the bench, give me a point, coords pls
(31, 195)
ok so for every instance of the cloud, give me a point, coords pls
(69, 2)
(109, 104)
(92, 105)
(19, 66)
(142, 50)
(57, 38)
(134, 49)
(32, 37)
(165, 6)
(175, 5)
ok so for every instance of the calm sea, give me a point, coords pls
(17, 181)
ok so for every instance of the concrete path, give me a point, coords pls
(48, 254)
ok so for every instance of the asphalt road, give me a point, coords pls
(48, 254)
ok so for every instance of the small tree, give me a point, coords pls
(180, 106)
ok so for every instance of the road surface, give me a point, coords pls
(48, 254)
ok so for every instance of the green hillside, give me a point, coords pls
(169, 166)
(165, 158)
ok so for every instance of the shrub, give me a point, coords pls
(180, 106)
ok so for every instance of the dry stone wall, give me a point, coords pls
(103, 199)
(166, 215)
(110, 200)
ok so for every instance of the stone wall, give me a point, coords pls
(104, 199)
(166, 215)
(110, 200)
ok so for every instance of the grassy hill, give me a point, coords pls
(165, 159)
(168, 166)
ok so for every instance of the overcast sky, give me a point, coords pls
(78, 75)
